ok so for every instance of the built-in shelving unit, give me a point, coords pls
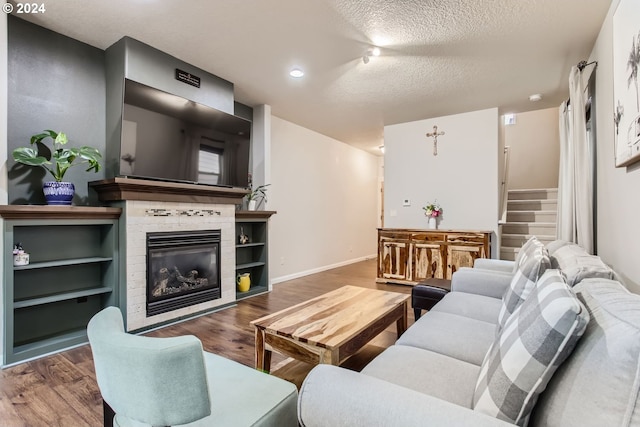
(252, 257)
(72, 275)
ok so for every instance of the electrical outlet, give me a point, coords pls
(406, 202)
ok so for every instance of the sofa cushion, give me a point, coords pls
(599, 385)
(577, 264)
(552, 247)
(426, 372)
(536, 339)
(533, 263)
(473, 306)
(453, 335)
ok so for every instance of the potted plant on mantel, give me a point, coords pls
(257, 194)
(57, 160)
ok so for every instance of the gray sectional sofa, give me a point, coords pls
(561, 349)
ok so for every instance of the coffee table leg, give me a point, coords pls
(401, 324)
(263, 356)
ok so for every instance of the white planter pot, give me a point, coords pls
(252, 205)
(433, 223)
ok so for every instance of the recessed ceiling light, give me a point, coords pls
(535, 97)
(375, 51)
(296, 72)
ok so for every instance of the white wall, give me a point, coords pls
(463, 177)
(618, 202)
(4, 81)
(534, 149)
(325, 193)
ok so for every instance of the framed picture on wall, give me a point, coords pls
(626, 87)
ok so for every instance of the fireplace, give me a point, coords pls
(183, 269)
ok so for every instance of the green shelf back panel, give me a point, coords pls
(257, 231)
(50, 316)
(58, 242)
(43, 282)
(249, 254)
(49, 320)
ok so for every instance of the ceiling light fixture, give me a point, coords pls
(535, 97)
(296, 73)
(372, 51)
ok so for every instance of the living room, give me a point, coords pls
(325, 192)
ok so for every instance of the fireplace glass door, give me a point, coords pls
(183, 269)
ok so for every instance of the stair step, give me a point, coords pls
(531, 216)
(536, 228)
(517, 240)
(532, 205)
(534, 194)
(508, 254)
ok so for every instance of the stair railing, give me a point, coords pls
(504, 191)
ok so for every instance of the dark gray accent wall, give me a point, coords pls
(243, 111)
(58, 83)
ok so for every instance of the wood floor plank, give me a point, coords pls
(60, 390)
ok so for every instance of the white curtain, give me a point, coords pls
(575, 182)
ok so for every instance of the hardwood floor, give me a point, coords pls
(61, 390)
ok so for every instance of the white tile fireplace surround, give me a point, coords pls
(142, 217)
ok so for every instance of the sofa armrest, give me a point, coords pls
(482, 282)
(494, 264)
(332, 396)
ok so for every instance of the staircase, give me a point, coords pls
(529, 213)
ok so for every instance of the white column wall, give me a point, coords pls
(618, 203)
(326, 196)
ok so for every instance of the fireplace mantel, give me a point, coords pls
(120, 188)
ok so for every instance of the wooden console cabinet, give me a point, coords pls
(410, 256)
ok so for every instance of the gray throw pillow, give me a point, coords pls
(535, 261)
(536, 339)
(530, 244)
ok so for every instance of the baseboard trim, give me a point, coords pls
(288, 277)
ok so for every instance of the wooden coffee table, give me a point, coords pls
(329, 328)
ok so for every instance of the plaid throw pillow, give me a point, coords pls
(530, 244)
(536, 340)
(534, 262)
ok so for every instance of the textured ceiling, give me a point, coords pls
(438, 57)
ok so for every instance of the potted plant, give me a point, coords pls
(257, 194)
(433, 212)
(57, 160)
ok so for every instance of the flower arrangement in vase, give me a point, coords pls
(433, 211)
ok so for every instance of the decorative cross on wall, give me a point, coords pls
(435, 135)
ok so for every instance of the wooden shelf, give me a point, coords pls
(61, 263)
(250, 245)
(58, 212)
(76, 336)
(253, 259)
(32, 302)
(122, 188)
(48, 303)
(249, 265)
(254, 290)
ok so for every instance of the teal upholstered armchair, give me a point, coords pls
(172, 381)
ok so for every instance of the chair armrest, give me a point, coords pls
(333, 396)
(482, 282)
(494, 264)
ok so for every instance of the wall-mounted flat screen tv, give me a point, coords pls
(170, 138)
